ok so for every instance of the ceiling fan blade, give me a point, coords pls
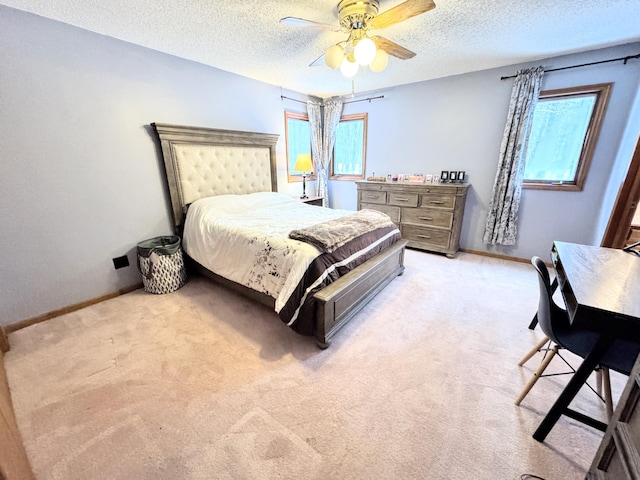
(301, 22)
(401, 12)
(392, 48)
(318, 61)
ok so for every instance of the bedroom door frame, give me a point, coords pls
(619, 226)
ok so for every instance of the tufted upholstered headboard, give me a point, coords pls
(204, 162)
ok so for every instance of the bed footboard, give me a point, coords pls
(342, 299)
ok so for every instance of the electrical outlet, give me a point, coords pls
(121, 262)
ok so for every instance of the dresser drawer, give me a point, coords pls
(440, 188)
(403, 199)
(393, 212)
(425, 236)
(438, 200)
(373, 196)
(429, 217)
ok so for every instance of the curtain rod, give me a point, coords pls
(292, 99)
(365, 99)
(352, 101)
(625, 60)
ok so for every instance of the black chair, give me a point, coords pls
(555, 324)
(632, 248)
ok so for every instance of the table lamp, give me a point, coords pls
(304, 165)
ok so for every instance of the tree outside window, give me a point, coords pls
(298, 137)
(348, 161)
(564, 132)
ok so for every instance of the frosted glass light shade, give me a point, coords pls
(380, 61)
(349, 69)
(333, 56)
(365, 51)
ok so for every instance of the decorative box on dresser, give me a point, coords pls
(429, 215)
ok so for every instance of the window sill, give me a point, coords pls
(559, 186)
(349, 178)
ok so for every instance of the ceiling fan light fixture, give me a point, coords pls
(365, 51)
(334, 56)
(356, 18)
(380, 61)
(349, 69)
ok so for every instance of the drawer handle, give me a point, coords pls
(428, 219)
(372, 196)
(436, 202)
(402, 199)
(424, 236)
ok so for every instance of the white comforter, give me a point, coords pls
(245, 238)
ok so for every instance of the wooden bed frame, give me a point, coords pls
(202, 162)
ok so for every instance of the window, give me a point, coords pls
(349, 151)
(563, 136)
(298, 135)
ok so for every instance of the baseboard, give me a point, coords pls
(64, 310)
(496, 255)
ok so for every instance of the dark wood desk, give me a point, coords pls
(601, 288)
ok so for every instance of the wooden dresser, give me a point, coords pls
(618, 456)
(429, 215)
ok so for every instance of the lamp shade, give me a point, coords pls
(365, 51)
(349, 69)
(380, 61)
(303, 163)
(334, 56)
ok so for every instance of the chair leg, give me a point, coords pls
(608, 398)
(533, 351)
(537, 374)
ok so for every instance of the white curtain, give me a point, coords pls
(501, 226)
(314, 110)
(323, 137)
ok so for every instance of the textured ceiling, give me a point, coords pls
(245, 36)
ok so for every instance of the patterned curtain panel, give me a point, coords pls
(323, 137)
(501, 227)
(314, 111)
(332, 114)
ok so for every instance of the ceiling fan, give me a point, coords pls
(357, 17)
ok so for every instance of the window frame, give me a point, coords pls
(336, 176)
(292, 175)
(602, 92)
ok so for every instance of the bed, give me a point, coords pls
(206, 165)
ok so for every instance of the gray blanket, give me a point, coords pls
(330, 235)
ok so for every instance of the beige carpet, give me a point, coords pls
(203, 384)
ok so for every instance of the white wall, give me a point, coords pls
(81, 177)
(456, 123)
